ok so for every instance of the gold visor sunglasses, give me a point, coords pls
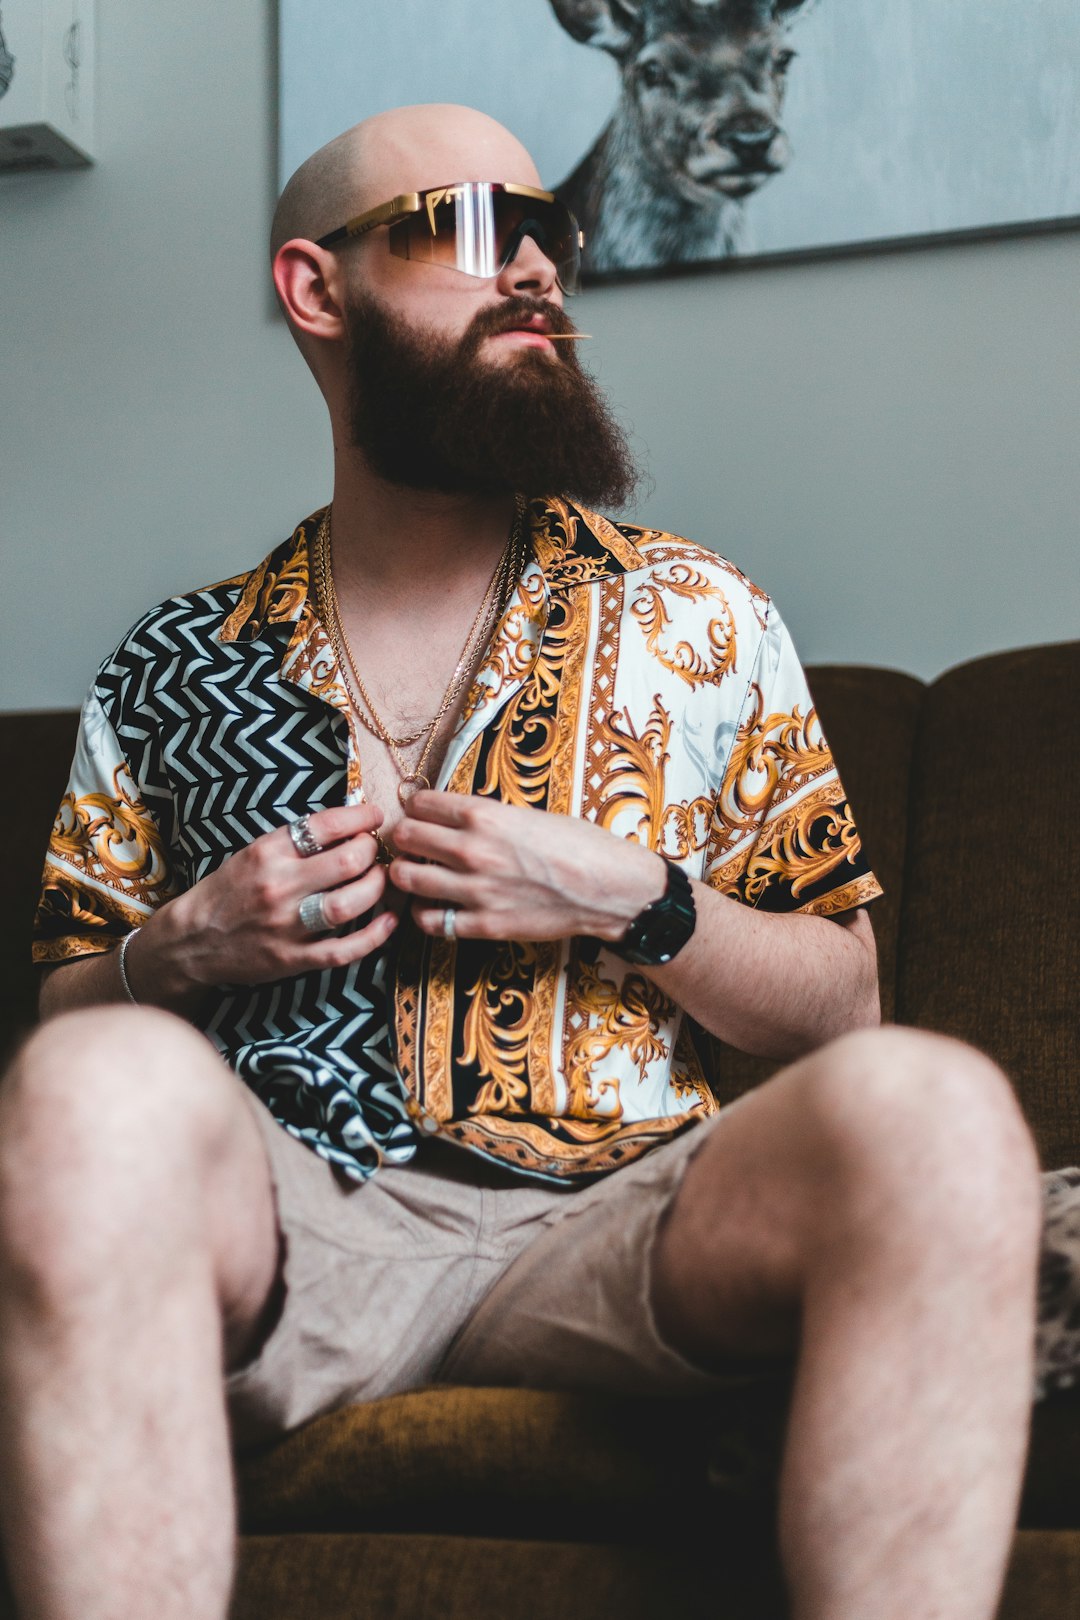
(476, 226)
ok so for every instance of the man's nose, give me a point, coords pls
(530, 270)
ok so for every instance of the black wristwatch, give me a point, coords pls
(660, 931)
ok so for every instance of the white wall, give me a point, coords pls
(887, 443)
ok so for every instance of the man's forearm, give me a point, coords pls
(87, 981)
(94, 981)
(773, 985)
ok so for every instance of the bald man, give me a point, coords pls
(422, 848)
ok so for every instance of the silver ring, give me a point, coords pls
(304, 841)
(313, 914)
(449, 924)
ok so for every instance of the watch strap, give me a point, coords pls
(661, 930)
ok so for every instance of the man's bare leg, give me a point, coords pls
(138, 1249)
(877, 1205)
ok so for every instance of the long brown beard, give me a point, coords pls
(431, 414)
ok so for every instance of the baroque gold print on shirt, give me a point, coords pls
(575, 549)
(114, 840)
(568, 1149)
(633, 771)
(684, 660)
(605, 660)
(612, 681)
(803, 846)
(545, 988)
(658, 548)
(579, 609)
(514, 644)
(686, 827)
(609, 1017)
(536, 734)
(519, 761)
(554, 531)
(275, 591)
(436, 1088)
(773, 757)
(633, 776)
(424, 994)
(74, 919)
(497, 1028)
(687, 1076)
(856, 893)
(310, 661)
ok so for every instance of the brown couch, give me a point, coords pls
(494, 1503)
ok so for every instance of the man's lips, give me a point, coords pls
(531, 331)
(525, 336)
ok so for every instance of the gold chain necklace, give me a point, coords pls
(497, 591)
(500, 588)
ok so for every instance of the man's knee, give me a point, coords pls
(883, 1130)
(901, 1119)
(97, 1076)
(108, 1118)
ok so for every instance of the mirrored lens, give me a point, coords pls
(477, 228)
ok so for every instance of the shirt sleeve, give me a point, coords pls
(107, 867)
(783, 837)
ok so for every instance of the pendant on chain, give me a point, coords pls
(411, 784)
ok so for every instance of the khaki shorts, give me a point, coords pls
(450, 1271)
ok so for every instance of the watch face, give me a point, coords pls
(660, 931)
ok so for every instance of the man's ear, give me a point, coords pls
(309, 286)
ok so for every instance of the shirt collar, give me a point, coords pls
(277, 591)
(572, 545)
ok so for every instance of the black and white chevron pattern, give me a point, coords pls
(223, 750)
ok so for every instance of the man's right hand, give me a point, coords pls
(240, 925)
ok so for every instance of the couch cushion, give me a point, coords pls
(561, 1466)
(680, 1573)
(990, 924)
(521, 1462)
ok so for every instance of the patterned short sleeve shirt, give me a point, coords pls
(635, 679)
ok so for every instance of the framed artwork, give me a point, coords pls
(691, 132)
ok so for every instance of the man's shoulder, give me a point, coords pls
(678, 567)
(189, 613)
(229, 610)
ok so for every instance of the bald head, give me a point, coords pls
(407, 149)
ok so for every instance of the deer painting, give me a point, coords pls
(7, 65)
(696, 128)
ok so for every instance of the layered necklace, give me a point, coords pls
(500, 588)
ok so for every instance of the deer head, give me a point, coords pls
(703, 86)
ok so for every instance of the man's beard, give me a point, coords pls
(429, 413)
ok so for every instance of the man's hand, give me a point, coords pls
(518, 874)
(241, 925)
(776, 985)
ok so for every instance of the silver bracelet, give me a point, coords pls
(124, 943)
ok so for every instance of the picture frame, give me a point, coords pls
(690, 134)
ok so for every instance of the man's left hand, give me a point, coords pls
(513, 873)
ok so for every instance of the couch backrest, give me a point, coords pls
(989, 939)
(965, 793)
